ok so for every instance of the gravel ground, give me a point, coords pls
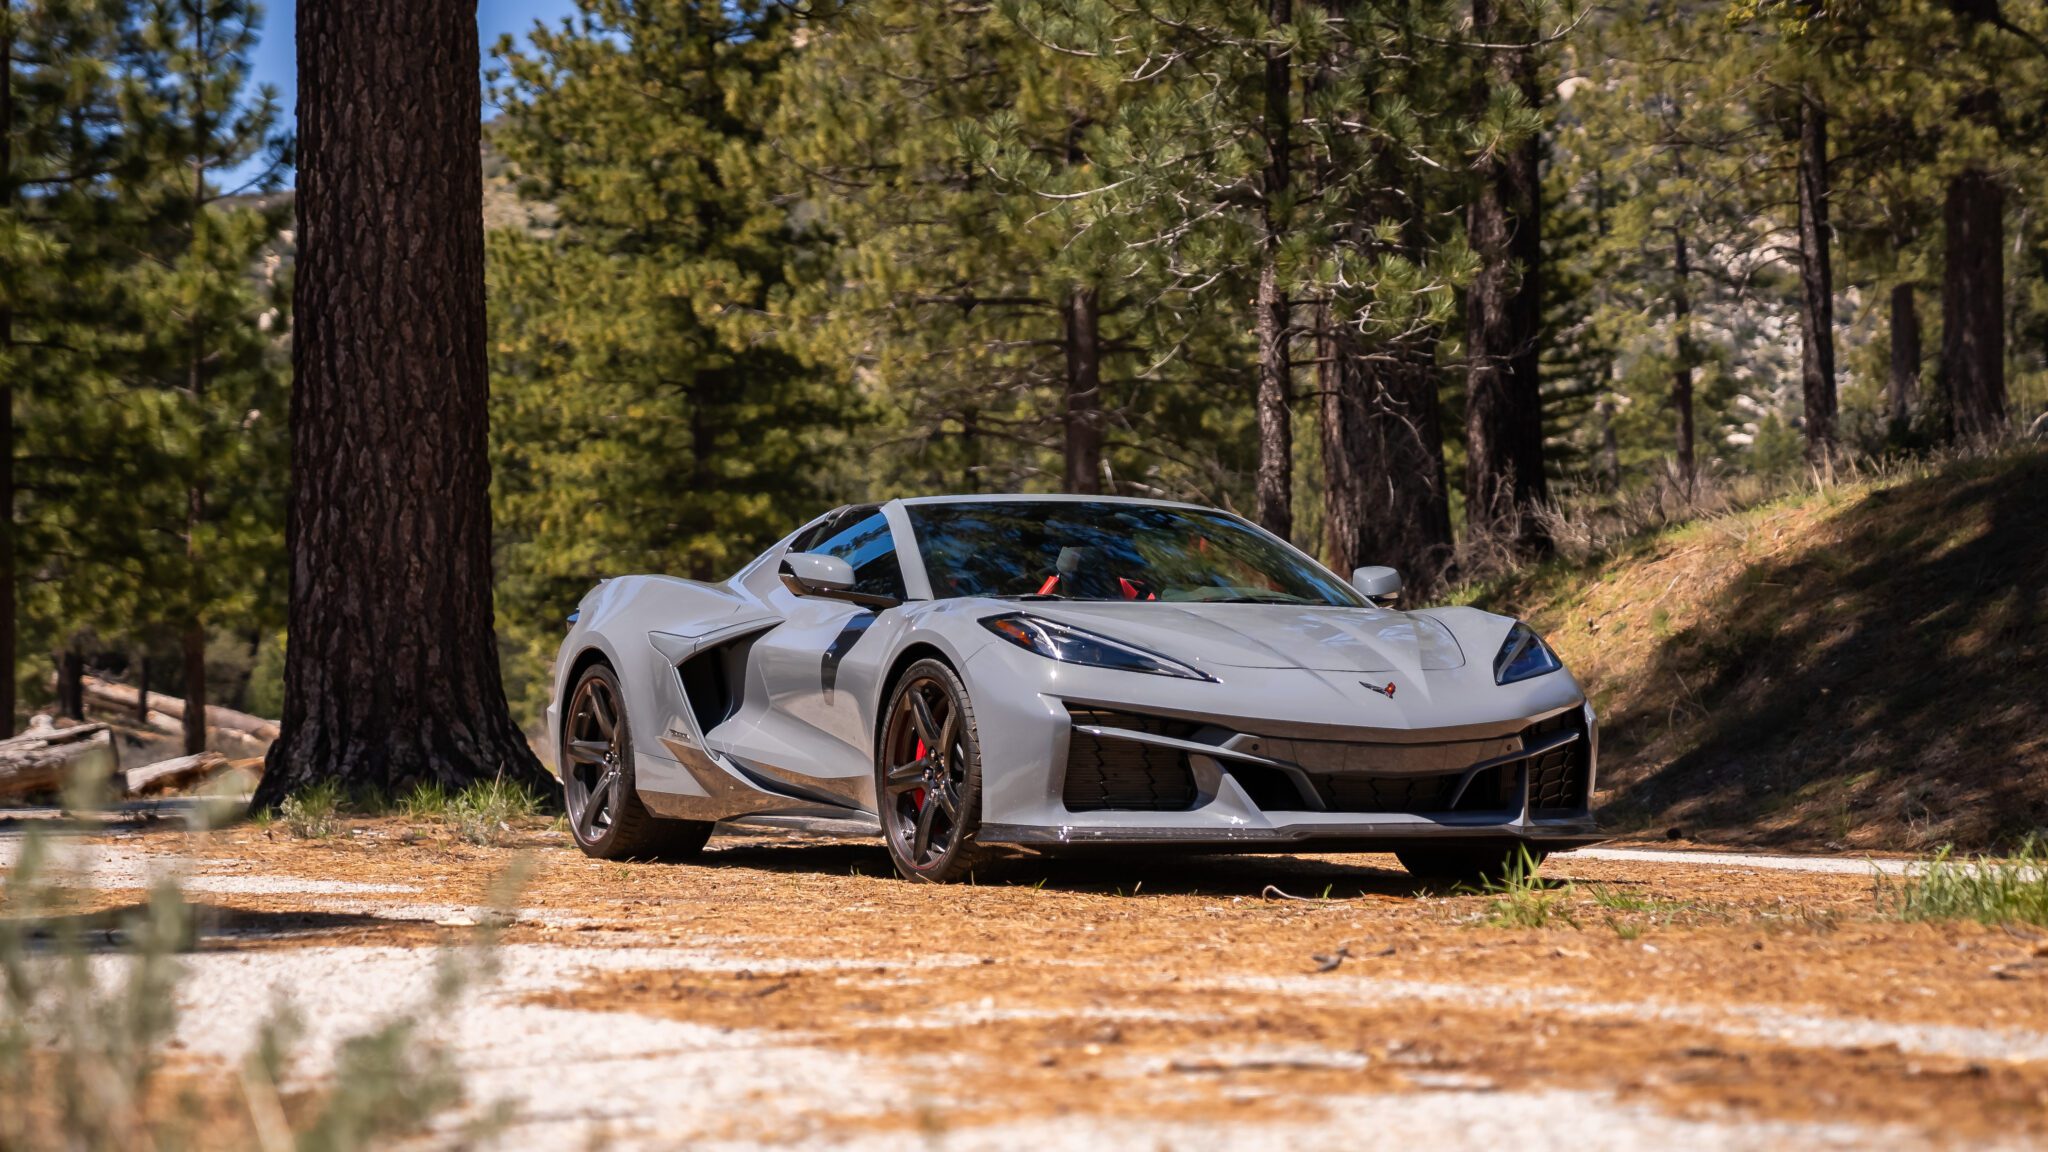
(783, 993)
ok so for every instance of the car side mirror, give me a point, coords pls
(817, 574)
(1377, 583)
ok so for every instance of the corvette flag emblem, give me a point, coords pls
(1387, 691)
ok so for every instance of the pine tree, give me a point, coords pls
(649, 410)
(1240, 164)
(1504, 473)
(60, 140)
(965, 289)
(205, 312)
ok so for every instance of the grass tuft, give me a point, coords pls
(1992, 890)
(313, 813)
(426, 800)
(1523, 899)
(483, 813)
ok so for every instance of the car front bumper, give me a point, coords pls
(1278, 761)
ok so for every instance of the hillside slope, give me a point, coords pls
(1861, 667)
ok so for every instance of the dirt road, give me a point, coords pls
(787, 992)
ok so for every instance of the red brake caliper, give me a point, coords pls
(917, 794)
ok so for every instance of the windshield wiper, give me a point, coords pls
(1032, 596)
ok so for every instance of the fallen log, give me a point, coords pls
(114, 695)
(175, 773)
(43, 757)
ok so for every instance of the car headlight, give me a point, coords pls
(1064, 642)
(1523, 655)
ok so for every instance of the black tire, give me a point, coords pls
(605, 813)
(1477, 866)
(928, 776)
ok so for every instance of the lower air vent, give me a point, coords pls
(1354, 793)
(1558, 778)
(1104, 772)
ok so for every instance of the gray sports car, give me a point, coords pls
(1065, 671)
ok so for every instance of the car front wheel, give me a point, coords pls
(928, 776)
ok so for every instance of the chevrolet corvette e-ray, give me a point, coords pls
(1065, 671)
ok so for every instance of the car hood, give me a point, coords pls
(1269, 635)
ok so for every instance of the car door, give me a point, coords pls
(812, 729)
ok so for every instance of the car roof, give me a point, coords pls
(1049, 498)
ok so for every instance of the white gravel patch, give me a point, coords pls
(1448, 1121)
(1785, 1026)
(642, 1082)
(115, 869)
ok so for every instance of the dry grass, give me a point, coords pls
(1856, 664)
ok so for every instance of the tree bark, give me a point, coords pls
(108, 694)
(1083, 413)
(1903, 383)
(1504, 408)
(7, 574)
(391, 675)
(1973, 307)
(1384, 496)
(71, 684)
(165, 775)
(193, 645)
(1275, 492)
(1816, 279)
(42, 759)
(1681, 356)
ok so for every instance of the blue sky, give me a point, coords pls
(276, 61)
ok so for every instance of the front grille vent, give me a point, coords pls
(1106, 773)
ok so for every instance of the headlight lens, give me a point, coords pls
(1064, 642)
(1523, 655)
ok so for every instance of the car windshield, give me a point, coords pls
(1090, 550)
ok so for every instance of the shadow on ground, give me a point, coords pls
(1884, 683)
(1125, 871)
(204, 925)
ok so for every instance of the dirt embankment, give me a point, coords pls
(1862, 667)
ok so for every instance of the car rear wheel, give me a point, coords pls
(1478, 866)
(605, 813)
(928, 776)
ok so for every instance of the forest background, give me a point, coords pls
(1403, 280)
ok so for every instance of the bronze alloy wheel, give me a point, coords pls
(928, 775)
(605, 812)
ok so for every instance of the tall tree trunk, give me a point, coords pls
(1973, 307)
(142, 692)
(1610, 443)
(193, 639)
(1275, 493)
(7, 575)
(1384, 496)
(1083, 413)
(71, 683)
(1681, 357)
(391, 675)
(1503, 307)
(1904, 382)
(1816, 278)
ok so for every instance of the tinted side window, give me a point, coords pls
(865, 543)
(809, 539)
